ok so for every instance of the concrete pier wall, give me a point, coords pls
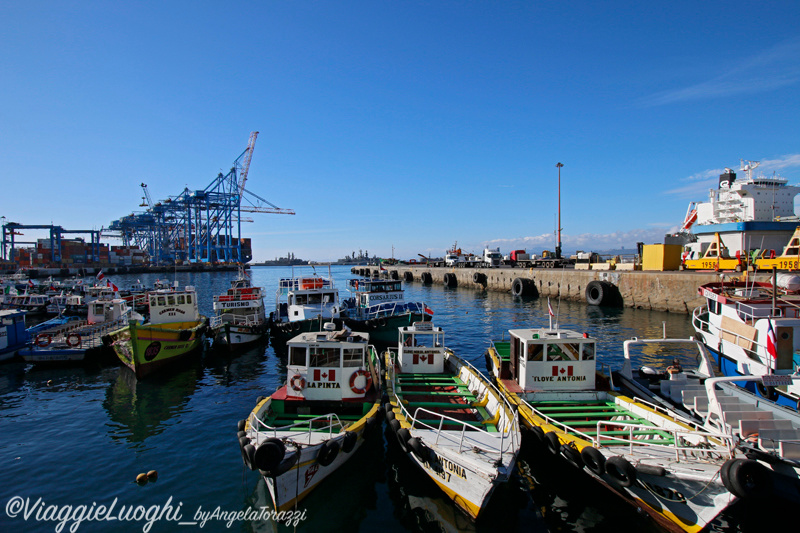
(674, 291)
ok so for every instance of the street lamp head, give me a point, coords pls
(559, 165)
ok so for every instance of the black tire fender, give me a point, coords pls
(594, 460)
(418, 449)
(552, 442)
(572, 456)
(349, 441)
(403, 436)
(394, 425)
(750, 479)
(595, 293)
(621, 471)
(327, 452)
(269, 454)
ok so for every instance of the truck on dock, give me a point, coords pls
(492, 258)
(519, 258)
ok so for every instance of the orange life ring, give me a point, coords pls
(43, 339)
(297, 382)
(75, 343)
(353, 378)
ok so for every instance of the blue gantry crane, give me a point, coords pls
(200, 226)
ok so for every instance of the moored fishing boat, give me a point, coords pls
(240, 316)
(70, 304)
(767, 435)
(174, 331)
(318, 419)
(33, 304)
(753, 328)
(73, 340)
(378, 307)
(13, 336)
(650, 456)
(303, 303)
(449, 420)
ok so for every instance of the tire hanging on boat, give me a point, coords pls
(403, 436)
(594, 460)
(418, 449)
(269, 454)
(749, 479)
(327, 452)
(621, 470)
(552, 442)
(766, 391)
(572, 456)
(349, 441)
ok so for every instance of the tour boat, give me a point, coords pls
(33, 304)
(13, 336)
(768, 435)
(319, 418)
(449, 420)
(378, 307)
(753, 328)
(174, 331)
(76, 340)
(650, 456)
(240, 316)
(303, 303)
(70, 304)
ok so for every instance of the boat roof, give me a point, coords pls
(342, 336)
(548, 335)
(11, 312)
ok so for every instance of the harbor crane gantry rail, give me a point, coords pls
(200, 226)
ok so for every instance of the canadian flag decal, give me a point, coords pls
(418, 358)
(329, 375)
(562, 370)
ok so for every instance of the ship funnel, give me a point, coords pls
(727, 178)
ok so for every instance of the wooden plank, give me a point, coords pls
(738, 333)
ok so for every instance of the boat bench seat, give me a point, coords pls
(732, 417)
(700, 405)
(686, 396)
(790, 450)
(491, 428)
(769, 439)
(750, 425)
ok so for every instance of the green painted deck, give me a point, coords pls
(503, 349)
(585, 415)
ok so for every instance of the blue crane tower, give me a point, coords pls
(200, 226)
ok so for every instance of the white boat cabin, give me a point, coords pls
(96, 292)
(173, 306)
(420, 349)
(547, 359)
(371, 292)
(107, 310)
(307, 298)
(328, 365)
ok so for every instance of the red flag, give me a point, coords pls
(428, 310)
(771, 340)
(550, 308)
(100, 275)
(30, 283)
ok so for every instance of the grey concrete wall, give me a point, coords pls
(674, 291)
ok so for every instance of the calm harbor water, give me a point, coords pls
(75, 436)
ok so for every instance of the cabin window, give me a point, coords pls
(297, 356)
(326, 298)
(188, 298)
(98, 309)
(563, 352)
(353, 357)
(535, 352)
(153, 300)
(300, 299)
(170, 300)
(587, 351)
(162, 301)
(314, 298)
(324, 357)
(181, 299)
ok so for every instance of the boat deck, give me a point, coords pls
(443, 394)
(289, 411)
(580, 418)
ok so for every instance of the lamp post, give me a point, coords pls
(558, 248)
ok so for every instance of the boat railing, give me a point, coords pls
(266, 431)
(391, 309)
(739, 340)
(705, 442)
(237, 320)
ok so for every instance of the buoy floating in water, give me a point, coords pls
(152, 475)
(49, 382)
(141, 479)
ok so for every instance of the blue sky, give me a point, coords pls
(391, 123)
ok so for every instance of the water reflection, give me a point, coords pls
(140, 408)
(240, 365)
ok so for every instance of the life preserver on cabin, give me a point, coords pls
(73, 340)
(43, 339)
(297, 382)
(367, 385)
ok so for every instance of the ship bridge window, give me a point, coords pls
(181, 299)
(587, 351)
(563, 352)
(162, 301)
(314, 299)
(188, 298)
(170, 300)
(328, 357)
(352, 357)
(300, 299)
(297, 356)
(535, 352)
